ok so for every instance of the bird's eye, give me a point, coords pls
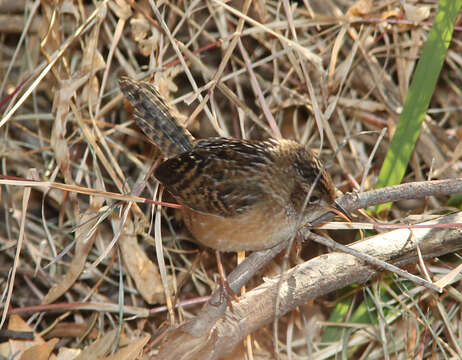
(314, 199)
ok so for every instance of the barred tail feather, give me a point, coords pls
(154, 117)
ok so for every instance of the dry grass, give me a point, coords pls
(88, 256)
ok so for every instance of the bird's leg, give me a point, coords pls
(226, 290)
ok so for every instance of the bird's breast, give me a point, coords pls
(261, 227)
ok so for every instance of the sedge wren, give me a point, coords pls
(236, 194)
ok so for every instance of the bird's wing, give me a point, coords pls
(218, 176)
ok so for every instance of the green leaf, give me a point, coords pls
(418, 98)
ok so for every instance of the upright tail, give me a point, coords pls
(154, 117)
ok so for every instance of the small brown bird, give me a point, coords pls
(236, 194)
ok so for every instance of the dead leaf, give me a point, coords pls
(41, 351)
(99, 348)
(85, 235)
(16, 323)
(416, 14)
(131, 351)
(142, 270)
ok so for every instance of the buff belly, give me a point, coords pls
(253, 230)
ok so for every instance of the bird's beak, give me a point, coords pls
(342, 212)
(336, 209)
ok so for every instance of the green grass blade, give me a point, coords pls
(418, 98)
